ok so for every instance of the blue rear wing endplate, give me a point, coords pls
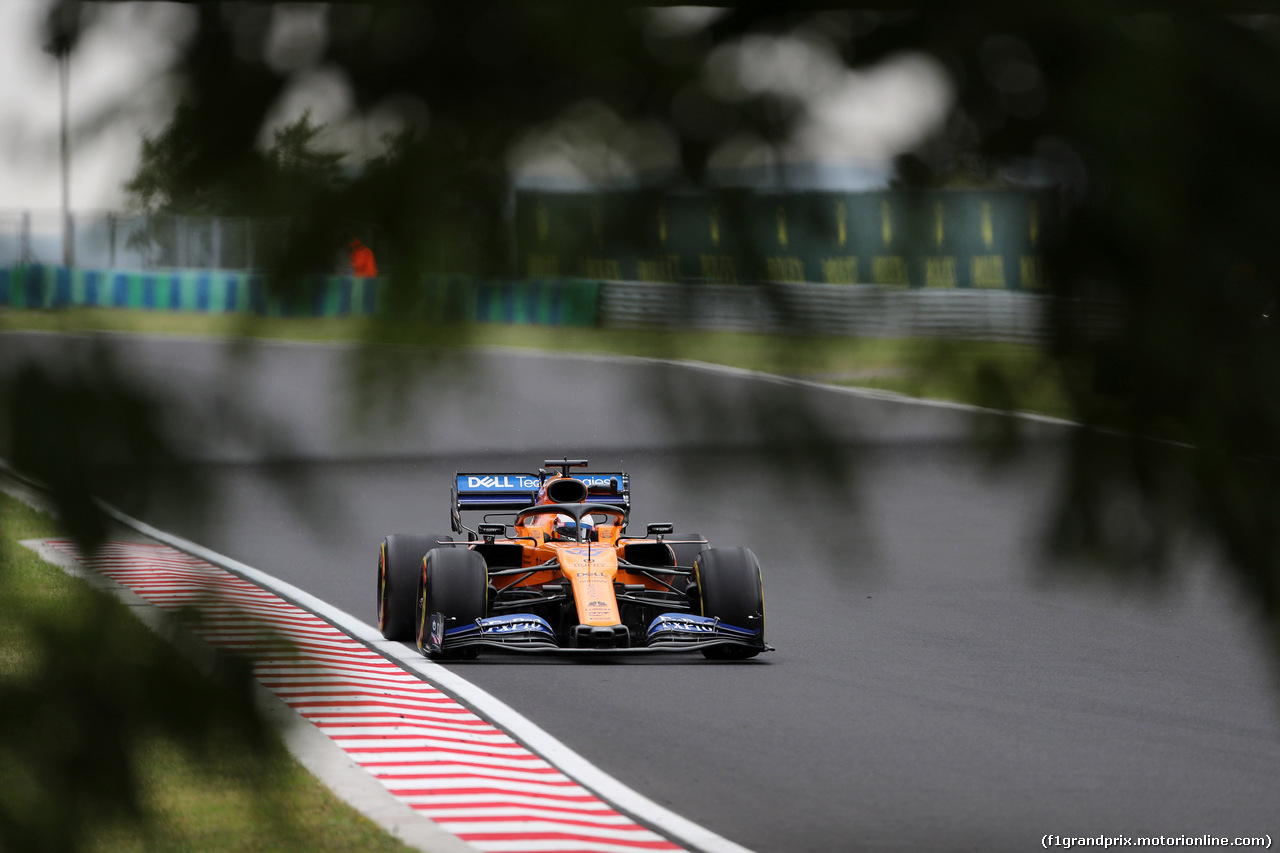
(489, 491)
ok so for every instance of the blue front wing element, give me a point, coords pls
(518, 630)
(682, 628)
(529, 633)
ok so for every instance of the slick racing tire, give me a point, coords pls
(732, 591)
(399, 565)
(453, 582)
(685, 554)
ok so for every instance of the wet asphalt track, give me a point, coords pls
(935, 685)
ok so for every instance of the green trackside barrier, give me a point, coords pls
(208, 291)
(990, 238)
(544, 302)
(549, 301)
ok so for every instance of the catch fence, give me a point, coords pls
(145, 242)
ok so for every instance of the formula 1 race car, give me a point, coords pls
(557, 572)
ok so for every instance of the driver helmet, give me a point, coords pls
(567, 528)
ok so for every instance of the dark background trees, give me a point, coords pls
(275, 182)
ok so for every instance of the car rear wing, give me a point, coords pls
(513, 491)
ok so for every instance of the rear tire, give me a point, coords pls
(399, 567)
(732, 590)
(453, 582)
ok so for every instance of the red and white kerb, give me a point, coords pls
(427, 749)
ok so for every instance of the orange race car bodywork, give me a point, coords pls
(561, 573)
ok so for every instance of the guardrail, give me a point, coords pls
(835, 309)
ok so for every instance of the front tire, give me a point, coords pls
(399, 565)
(732, 590)
(453, 582)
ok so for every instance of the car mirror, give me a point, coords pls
(489, 531)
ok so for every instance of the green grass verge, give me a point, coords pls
(220, 796)
(999, 375)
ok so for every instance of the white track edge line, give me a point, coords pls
(781, 379)
(530, 352)
(526, 731)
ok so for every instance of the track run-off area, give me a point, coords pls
(937, 682)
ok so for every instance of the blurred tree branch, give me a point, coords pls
(276, 183)
(1159, 124)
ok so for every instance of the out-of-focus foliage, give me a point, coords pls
(83, 688)
(114, 741)
(1160, 126)
(82, 434)
(277, 183)
(295, 174)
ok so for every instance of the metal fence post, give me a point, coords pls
(24, 239)
(111, 240)
(181, 226)
(217, 243)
